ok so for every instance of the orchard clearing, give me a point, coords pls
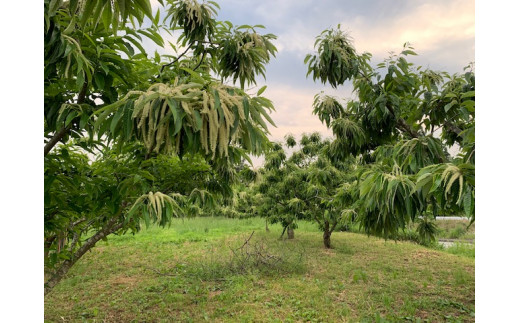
(216, 269)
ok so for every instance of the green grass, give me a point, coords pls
(462, 249)
(456, 229)
(195, 271)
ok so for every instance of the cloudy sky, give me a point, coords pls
(442, 33)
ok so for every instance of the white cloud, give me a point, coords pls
(293, 112)
(155, 4)
(276, 11)
(427, 27)
(299, 39)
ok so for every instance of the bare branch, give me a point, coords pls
(246, 241)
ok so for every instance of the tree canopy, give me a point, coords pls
(304, 186)
(123, 128)
(400, 123)
(133, 138)
(388, 163)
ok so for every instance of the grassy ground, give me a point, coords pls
(455, 229)
(201, 270)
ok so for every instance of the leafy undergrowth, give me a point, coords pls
(214, 270)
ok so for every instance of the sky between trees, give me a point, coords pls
(442, 33)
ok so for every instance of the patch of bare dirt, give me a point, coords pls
(123, 280)
(421, 254)
(214, 293)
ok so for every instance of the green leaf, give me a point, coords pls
(98, 11)
(54, 5)
(99, 80)
(157, 17)
(146, 7)
(73, 5)
(262, 89)
(245, 102)
(107, 15)
(122, 8)
(80, 80)
(448, 106)
(469, 94)
(469, 105)
(156, 38)
(146, 216)
(195, 76)
(409, 52)
(87, 12)
(177, 115)
(465, 113)
(70, 116)
(136, 43)
(128, 126)
(198, 120)
(83, 120)
(147, 175)
(104, 67)
(115, 120)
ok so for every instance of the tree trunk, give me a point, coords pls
(57, 276)
(326, 239)
(290, 232)
(266, 227)
(326, 234)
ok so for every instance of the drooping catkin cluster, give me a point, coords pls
(165, 113)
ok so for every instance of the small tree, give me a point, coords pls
(275, 192)
(304, 185)
(121, 117)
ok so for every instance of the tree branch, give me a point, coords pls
(283, 231)
(401, 124)
(60, 134)
(453, 128)
(317, 220)
(333, 226)
(247, 240)
(175, 60)
(200, 62)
